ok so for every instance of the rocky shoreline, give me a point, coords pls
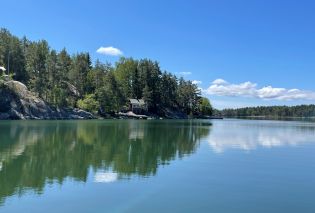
(18, 103)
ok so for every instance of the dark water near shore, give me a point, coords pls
(157, 166)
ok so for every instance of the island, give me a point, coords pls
(38, 82)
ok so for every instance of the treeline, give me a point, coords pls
(271, 111)
(65, 80)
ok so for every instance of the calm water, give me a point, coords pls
(157, 166)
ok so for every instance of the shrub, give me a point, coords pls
(89, 103)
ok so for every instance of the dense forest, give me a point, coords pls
(65, 80)
(270, 111)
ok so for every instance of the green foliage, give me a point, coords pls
(65, 81)
(205, 107)
(6, 77)
(188, 97)
(80, 67)
(89, 103)
(36, 57)
(12, 55)
(272, 111)
(125, 74)
(110, 95)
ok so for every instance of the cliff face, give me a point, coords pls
(16, 102)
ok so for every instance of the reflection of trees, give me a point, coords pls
(33, 153)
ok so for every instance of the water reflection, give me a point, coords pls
(249, 135)
(33, 154)
(105, 177)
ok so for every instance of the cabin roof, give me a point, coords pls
(136, 101)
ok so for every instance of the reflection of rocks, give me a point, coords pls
(24, 136)
(249, 136)
(40, 152)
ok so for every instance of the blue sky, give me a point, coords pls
(266, 43)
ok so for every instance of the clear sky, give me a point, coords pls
(270, 44)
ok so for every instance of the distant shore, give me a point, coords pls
(289, 118)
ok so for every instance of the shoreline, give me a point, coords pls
(138, 117)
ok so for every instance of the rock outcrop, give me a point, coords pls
(17, 102)
(172, 114)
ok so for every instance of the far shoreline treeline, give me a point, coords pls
(299, 111)
(64, 80)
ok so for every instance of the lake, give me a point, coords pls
(157, 166)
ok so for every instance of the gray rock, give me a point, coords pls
(171, 114)
(17, 102)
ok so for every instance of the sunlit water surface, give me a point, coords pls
(157, 166)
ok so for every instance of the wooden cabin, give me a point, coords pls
(138, 106)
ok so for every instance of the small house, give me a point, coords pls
(2, 70)
(138, 106)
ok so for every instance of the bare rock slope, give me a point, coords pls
(17, 102)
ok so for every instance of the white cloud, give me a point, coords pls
(196, 82)
(219, 82)
(109, 51)
(221, 87)
(185, 73)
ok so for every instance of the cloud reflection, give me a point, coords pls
(105, 177)
(249, 136)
